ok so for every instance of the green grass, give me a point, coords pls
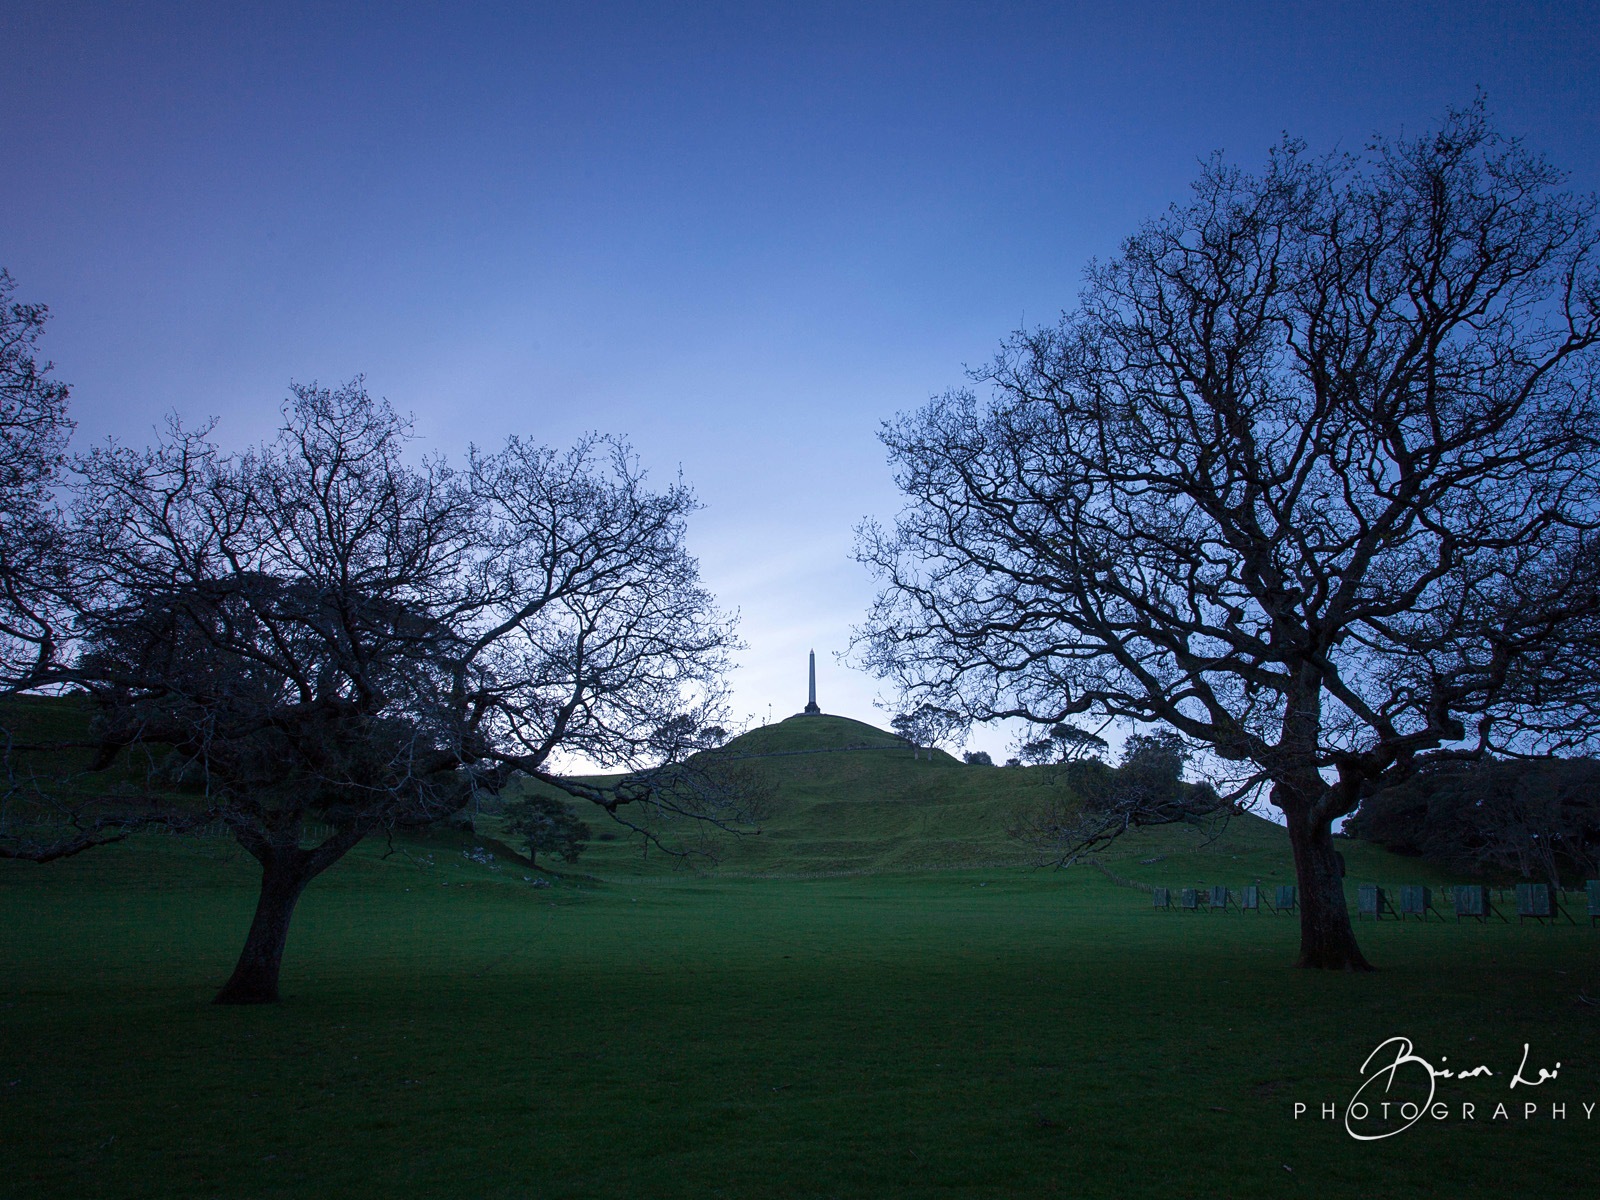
(841, 809)
(807, 1021)
(452, 1030)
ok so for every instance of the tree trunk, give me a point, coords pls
(1326, 939)
(284, 875)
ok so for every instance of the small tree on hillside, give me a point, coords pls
(1062, 744)
(1073, 743)
(1310, 476)
(925, 727)
(546, 825)
(1036, 752)
(1103, 804)
(1158, 757)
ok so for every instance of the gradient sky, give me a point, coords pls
(741, 235)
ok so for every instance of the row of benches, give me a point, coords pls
(1535, 901)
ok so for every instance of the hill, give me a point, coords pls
(851, 799)
(803, 734)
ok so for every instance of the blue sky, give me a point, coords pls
(741, 235)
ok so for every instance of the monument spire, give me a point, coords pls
(811, 703)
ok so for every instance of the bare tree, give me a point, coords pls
(317, 637)
(1309, 475)
(40, 819)
(34, 429)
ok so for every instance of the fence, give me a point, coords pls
(1528, 901)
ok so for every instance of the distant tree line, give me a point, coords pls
(1095, 803)
(1528, 819)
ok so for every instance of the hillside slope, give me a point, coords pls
(852, 799)
(849, 797)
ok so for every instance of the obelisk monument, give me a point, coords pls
(811, 703)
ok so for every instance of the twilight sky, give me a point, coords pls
(741, 235)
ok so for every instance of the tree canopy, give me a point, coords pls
(1309, 475)
(546, 825)
(319, 633)
(1526, 819)
(34, 428)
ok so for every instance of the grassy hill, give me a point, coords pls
(851, 799)
(804, 734)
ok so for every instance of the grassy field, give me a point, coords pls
(451, 1029)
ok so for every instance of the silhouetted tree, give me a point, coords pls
(1309, 476)
(1101, 804)
(1063, 743)
(34, 429)
(40, 819)
(1036, 752)
(318, 633)
(1157, 756)
(1074, 743)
